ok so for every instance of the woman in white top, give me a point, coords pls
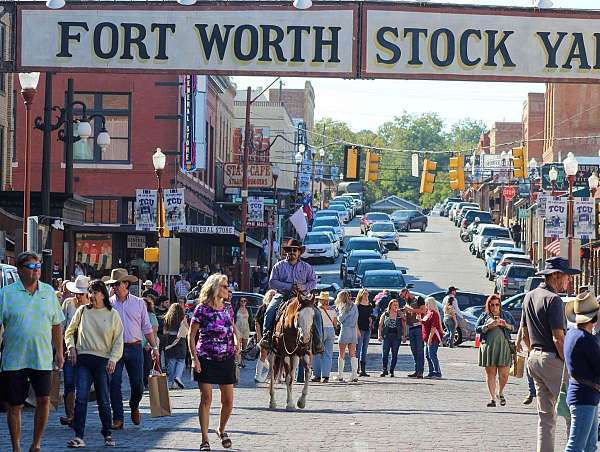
(348, 318)
(242, 323)
(322, 361)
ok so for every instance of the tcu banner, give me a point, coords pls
(583, 218)
(174, 204)
(256, 209)
(145, 210)
(556, 217)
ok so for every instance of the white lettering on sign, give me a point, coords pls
(200, 229)
(258, 175)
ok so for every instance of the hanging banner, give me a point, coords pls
(194, 96)
(319, 170)
(174, 203)
(334, 173)
(583, 218)
(256, 209)
(145, 210)
(556, 218)
(305, 176)
(414, 165)
(541, 205)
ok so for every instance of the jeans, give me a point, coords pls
(583, 436)
(133, 361)
(450, 325)
(92, 369)
(271, 312)
(363, 344)
(70, 377)
(432, 359)
(530, 383)
(175, 368)
(391, 341)
(147, 366)
(322, 362)
(416, 348)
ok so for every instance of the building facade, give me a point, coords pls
(504, 136)
(533, 126)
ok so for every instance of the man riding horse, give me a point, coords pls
(287, 277)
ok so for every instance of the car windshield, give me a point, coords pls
(403, 214)
(378, 217)
(387, 281)
(383, 264)
(324, 229)
(362, 245)
(312, 239)
(325, 213)
(484, 217)
(521, 272)
(325, 221)
(502, 251)
(382, 227)
(338, 207)
(355, 259)
(495, 232)
(517, 260)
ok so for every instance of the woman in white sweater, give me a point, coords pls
(99, 346)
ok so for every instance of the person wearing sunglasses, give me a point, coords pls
(32, 319)
(494, 327)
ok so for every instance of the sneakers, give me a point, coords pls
(384, 373)
(391, 374)
(179, 383)
(528, 400)
(415, 375)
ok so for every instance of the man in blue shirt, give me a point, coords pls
(32, 317)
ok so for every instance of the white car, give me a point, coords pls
(485, 234)
(386, 232)
(334, 222)
(498, 243)
(320, 245)
(342, 211)
(331, 230)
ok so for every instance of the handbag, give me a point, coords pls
(158, 390)
(517, 369)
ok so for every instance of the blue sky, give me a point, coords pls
(375, 101)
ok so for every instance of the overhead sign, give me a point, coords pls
(202, 229)
(561, 183)
(259, 175)
(509, 192)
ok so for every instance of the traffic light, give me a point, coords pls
(519, 162)
(428, 176)
(351, 162)
(457, 172)
(372, 167)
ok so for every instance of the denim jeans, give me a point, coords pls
(175, 368)
(271, 312)
(416, 347)
(70, 377)
(133, 361)
(322, 362)
(91, 369)
(530, 383)
(450, 325)
(432, 359)
(390, 342)
(363, 345)
(583, 436)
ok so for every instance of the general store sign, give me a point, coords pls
(201, 229)
(400, 40)
(259, 176)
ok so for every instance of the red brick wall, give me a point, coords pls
(533, 125)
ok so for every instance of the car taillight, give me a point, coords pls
(503, 263)
(464, 223)
(505, 281)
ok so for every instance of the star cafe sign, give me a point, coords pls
(366, 39)
(259, 175)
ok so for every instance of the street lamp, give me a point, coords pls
(275, 174)
(533, 168)
(593, 182)
(55, 4)
(302, 4)
(159, 161)
(571, 166)
(553, 176)
(298, 159)
(29, 82)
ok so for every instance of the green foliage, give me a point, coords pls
(425, 132)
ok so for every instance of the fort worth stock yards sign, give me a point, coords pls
(341, 39)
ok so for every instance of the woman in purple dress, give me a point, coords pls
(214, 342)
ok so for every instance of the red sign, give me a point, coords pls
(509, 192)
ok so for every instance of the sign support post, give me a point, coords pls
(244, 216)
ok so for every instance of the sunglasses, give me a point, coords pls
(494, 304)
(32, 266)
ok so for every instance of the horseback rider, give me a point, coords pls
(287, 276)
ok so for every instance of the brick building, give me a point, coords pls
(8, 96)
(571, 111)
(533, 125)
(504, 136)
(299, 102)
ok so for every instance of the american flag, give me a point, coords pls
(307, 207)
(553, 248)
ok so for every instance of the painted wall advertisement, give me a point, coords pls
(145, 210)
(556, 217)
(174, 205)
(194, 97)
(583, 218)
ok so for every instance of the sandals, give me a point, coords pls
(502, 400)
(225, 441)
(108, 441)
(205, 445)
(75, 443)
(492, 403)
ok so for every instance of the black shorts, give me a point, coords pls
(14, 384)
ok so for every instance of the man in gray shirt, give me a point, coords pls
(543, 323)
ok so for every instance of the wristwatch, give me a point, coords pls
(155, 347)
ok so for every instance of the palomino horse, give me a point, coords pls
(292, 340)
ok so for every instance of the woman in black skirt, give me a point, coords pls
(213, 354)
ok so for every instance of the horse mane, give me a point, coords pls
(290, 313)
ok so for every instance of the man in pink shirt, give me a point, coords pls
(136, 326)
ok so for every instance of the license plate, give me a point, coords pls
(315, 251)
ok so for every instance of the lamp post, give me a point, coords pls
(571, 166)
(553, 176)
(322, 155)
(533, 167)
(593, 182)
(313, 153)
(29, 82)
(159, 161)
(298, 160)
(275, 173)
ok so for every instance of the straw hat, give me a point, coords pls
(80, 285)
(120, 274)
(323, 296)
(582, 308)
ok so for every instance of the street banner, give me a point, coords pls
(304, 178)
(556, 217)
(415, 165)
(334, 173)
(298, 220)
(194, 100)
(541, 205)
(319, 170)
(583, 218)
(561, 183)
(145, 210)
(256, 209)
(174, 204)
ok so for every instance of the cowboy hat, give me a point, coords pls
(80, 285)
(451, 289)
(291, 244)
(120, 274)
(582, 308)
(147, 283)
(324, 295)
(558, 264)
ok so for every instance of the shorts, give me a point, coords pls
(15, 384)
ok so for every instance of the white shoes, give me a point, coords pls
(262, 371)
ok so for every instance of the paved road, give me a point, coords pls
(376, 414)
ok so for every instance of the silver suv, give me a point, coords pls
(510, 280)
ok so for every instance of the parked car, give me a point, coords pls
(456, 208)
(360, 205)
(469, 218)
(377, 280)
(495, 244)
(486, 234)
(491, 263)
(466, 326)
(462, 212)
(370, 218)
(510, 280)
(8, 275)
(446, 205)
(332, 221)
(464, 299)
(348, 265)
(532, 283)
(344, 214)
(513, 304)
(365, 243)
(320, 245)
(371, 264)
(406, 220)
(332, 231)
(386, 232)
(449, 206)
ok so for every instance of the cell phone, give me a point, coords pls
(496, 317)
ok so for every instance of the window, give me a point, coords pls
(102, 211)
(116, 108)
(3, 55)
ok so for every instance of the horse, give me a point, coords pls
(292, 341)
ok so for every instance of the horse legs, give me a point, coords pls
(272, 377)
(307, 368)
(289, 380)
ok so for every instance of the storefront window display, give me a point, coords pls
(94, 251)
